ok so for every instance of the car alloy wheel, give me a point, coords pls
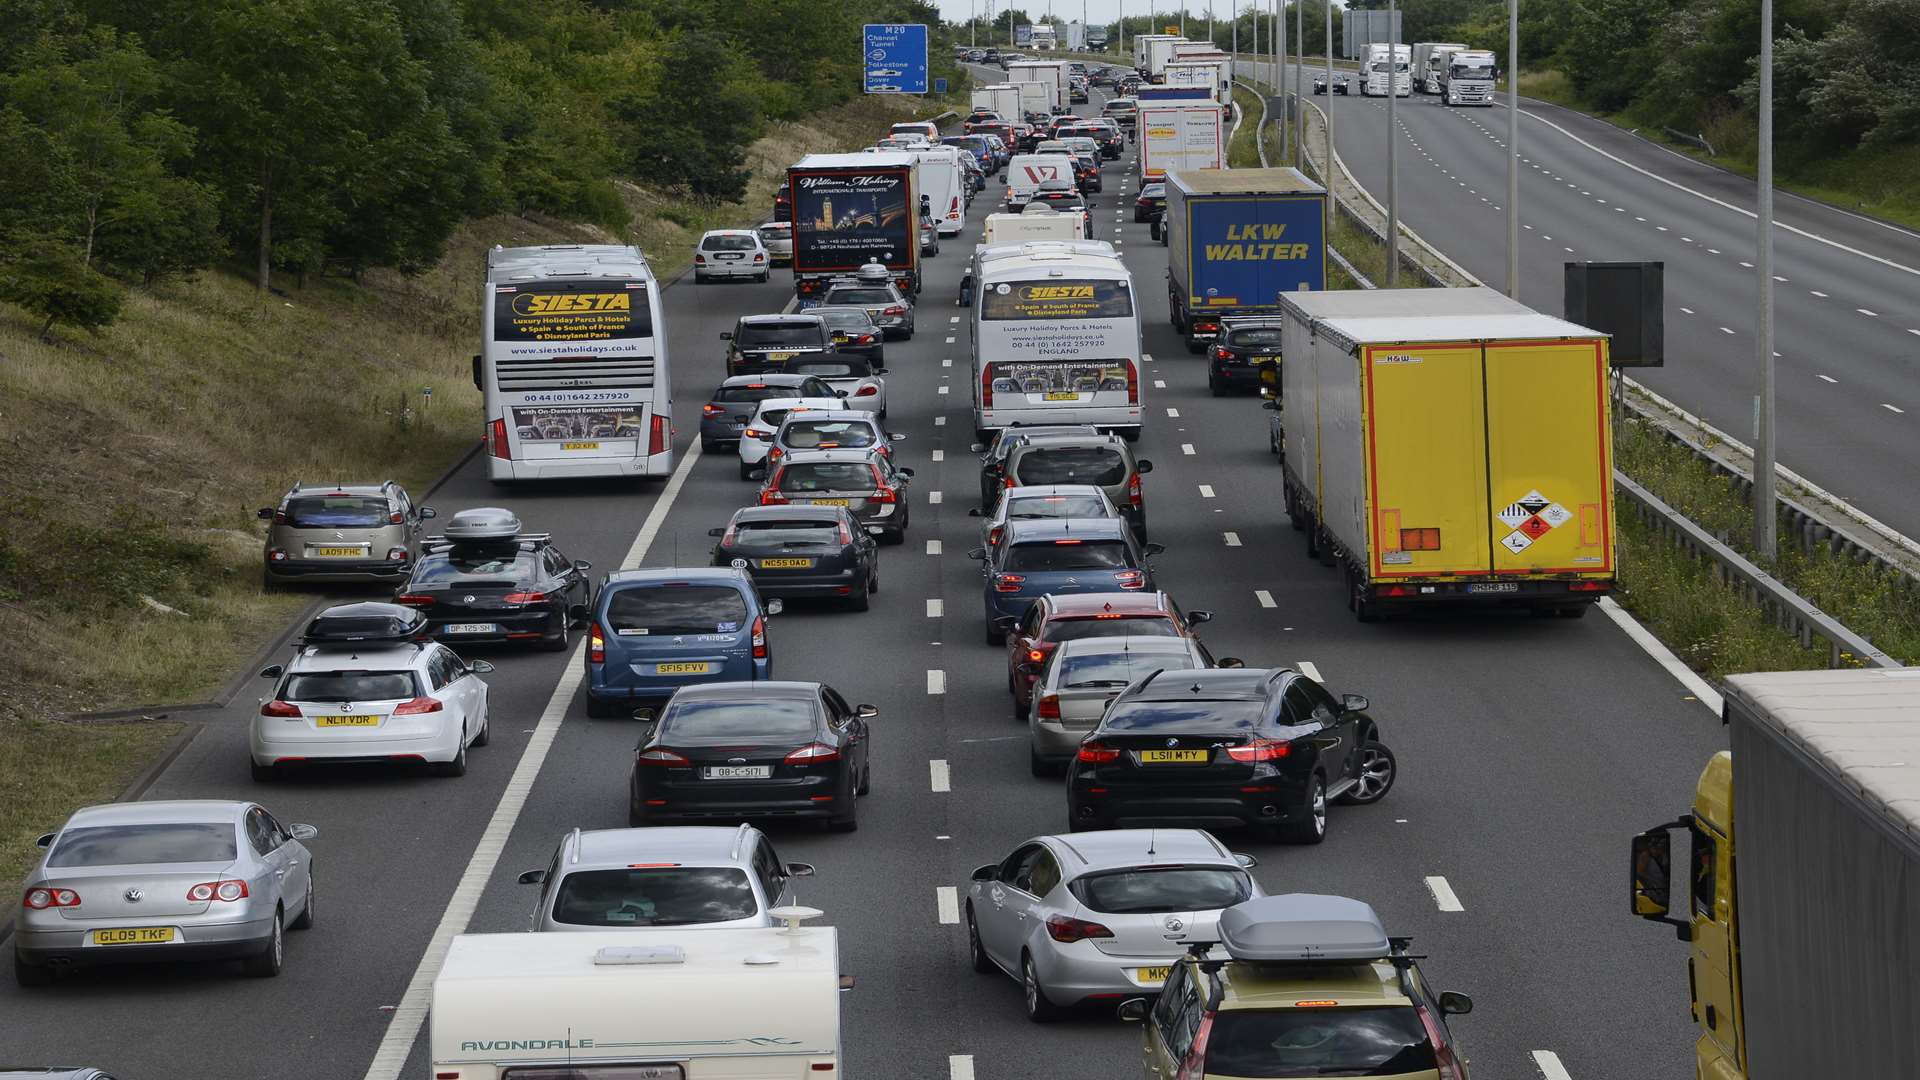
(269, 961)
(305, 920)
(1039, 1009)
(1378, 770)
(976, 952)
(458, 766)
(1310, 827)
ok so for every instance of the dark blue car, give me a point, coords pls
(977, 146)
(1062, 557)
(655, 631)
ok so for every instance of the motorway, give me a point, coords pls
(1530, 750)
(1847, 288)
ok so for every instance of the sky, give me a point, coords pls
(1097, 11)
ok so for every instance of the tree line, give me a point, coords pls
(149, 138)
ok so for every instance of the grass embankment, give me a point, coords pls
(1883, 182)
(131, 463)
(1243, 151)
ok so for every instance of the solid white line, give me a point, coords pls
(936, 681)
(1186, 448)
(1662, 655)
(933, 497)
(1829, 378)
(940, 455)
(1206, 491)
(947, 901)
(1892, 408)
(403, 1027)
(1310, 670)
(1232, 538)
(1265, 598)
(959, 1067)
(933, 547)
(935, 607)
(939, 775)
(1443, 894)
(1549, 1065)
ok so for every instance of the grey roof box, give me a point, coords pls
(1303, 927)
(483, 523)
(358, 624)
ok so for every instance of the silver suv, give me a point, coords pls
(1102, 460)
(342, 532)
(709, 875)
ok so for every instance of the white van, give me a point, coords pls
(1026, 172)
(658, 1004)
(945, 187)
(1055, 337)
(1037, 222)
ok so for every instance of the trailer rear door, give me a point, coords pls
(1426, 460)
(1548, 462)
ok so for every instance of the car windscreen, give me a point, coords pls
(1203, 714)
(654, 896)
(348, 686)
(761, 335)
(475, 564)
(849, 367)
(772, 233)
(1042, 507)
(728, 242)
(756, 719)
(1257, 1043)
(805, 476)
(752, 392)
(1255, 337)
(1112, 626)
(1099, 465)
(848, 319)
(774, 532)
(860, 296)
(336, 511)
(676, 609)
(816, 434)
(1157, 891)
(121, 845)
(1067, 555)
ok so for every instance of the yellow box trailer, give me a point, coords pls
(1447, 445)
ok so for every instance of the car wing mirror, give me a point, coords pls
(726, 335)
(840, 393)
(716, 531)
(1154, 549)
(866, 712)
(1195, 618)
(1353, 703)
(582, 565)
(757, 474)
(1270, 403)
(1007, 623)
(427, 512)
(265, 513)
(896, 436)
(973, 511)
(1247, 862)
(532, 877)
(45, 839)
(1132, 1010)
(846, 983)
(1229, 662)
(1143, 466)
(480, 667)
(776, 605)
(879, 371)
(799, 869)
(989, 872)
(906, 471)
(302, 832)
(978, 448)
(271, 671)
(1454, 1003)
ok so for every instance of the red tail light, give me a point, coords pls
(497, 442)
(396, 518)
(993, 536)
(759, 637)
(812, 754)
(282, 709)
(1589, 586)
(770, 495)
(525, 598)
(1134, 492)
(658, 757)
(1259, 750)
(895, 310)
(953, 206)
(868, 389)
(776, 454)
(1065, 928)
(755, 433)
(884, 496)
(596, 645)
(711, 409)
(759, 257)
(1133, 384)
(986, 386)
(417, 706)
(1049, 708)
(1094, 753)
(43, 898)
(657, 436)
(1008, 582)
(1130, 579)
(279, 517)
(846, 534)
(229, 890)
(1220, 353)
(414, 600)
(1036, 655)
(699, 258)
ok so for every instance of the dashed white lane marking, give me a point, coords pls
(1310, 670)
(1688, 310)
(1568, 250)
(943, 390)
(1911, 330)
(1663, 228)
(1779, 279)
(1868, 314)
(1173, 412)
(1265, 598)
(1529, 228)
(946, 901)
(1159, 384)
(1818, 293)
(1637, 217)
(1232, 538)
(1725, 330)
(939, 775)
(1892, 408)
(939, 455)
(946, 361)
(933, 497)
(936, 681)
(936, 607)
(1443, 894)
(933, 547)
(1686, 239)
(1713, 251)
(939, 421)
(959, 1067)
(1828, 378)
(1206, 491)
(1549, 1065)
(1746, 264)
(949, 339)
(1186, 448)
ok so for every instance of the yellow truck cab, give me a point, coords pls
(1312, 986)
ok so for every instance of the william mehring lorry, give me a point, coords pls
(1447, 445)
(1239, 240)
(852, 209)
(1800, 897)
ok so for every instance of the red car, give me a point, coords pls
(1054, 619)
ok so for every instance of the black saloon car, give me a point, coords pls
(802, 551)
(1151, 203)
(1261, 748)
(518, 589)
(741, 750)
(1245, 348)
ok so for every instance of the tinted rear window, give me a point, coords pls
(861, 296)
(476, 564)
(348, 686)
(1088, 555)
(1318, 1042)
(852, 367)
(1095, 670)
(119, 845)
(1153, 892)
(756, 533)
(676, 609)
(336, 511)
(655, 896)
(1259, 336)
(760, 719)
(755, 335)
(827, 476)
(759, 392)
(1071, 465)
(728, 243)
(1057, 506)
(1076, 629)
(1215, 715)
(848, 320)
(812, 434)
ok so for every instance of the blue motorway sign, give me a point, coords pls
(895, 58)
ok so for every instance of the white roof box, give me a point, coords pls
(1303, 927)
(483, 523)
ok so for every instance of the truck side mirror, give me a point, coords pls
(1652, 874)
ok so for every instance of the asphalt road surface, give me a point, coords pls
(1847, 304)
(1530, 750)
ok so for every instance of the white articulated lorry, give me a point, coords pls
(1429, 60)
(1468, 78)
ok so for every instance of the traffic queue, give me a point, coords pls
(1154, 741)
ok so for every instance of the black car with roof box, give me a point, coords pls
(486, 580)
(802, 551)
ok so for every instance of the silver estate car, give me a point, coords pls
(1081, 676)
(704, 875)
(1098, 917)
(163, 881)
(343, 532)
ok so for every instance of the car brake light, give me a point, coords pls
(813, 754)
(699, 258)
(498, 442)
(525, 598)
(1094, 753)
(1008, 582)
(711, 409)
(1049, 708)
(396, 518)
(1130, 579)
(43, 898)
(986, 386)
(661, 758)
(1134, 493)
(894, 310)
(414, 600)
(657, 436)
(1068, 929)
(1589, 586)
(868, 390)
(754, 433)
(280, 708)
(1220, 353)
(993, 536)
(418, 706)
(770, 495)
(1259, 750)
(759, 257)
(396, 554)
(596, 645)
(846, 534)
(776, 454)
(1206, 327)
(1133, 384)
(229, 890)
(759, 637)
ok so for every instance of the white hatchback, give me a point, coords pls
(778, 238)
(409, 702)
(731, 253)
(757, 437)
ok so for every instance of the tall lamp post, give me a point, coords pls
(1513, 149)
(1393, 170)
(1764, 449)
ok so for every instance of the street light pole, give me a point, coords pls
(1326, 171)
(1300, 73)
(1280, 77)
(1513, 149)
(1393, 171)
(1764, 448)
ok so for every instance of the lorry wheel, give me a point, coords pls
(1294, 517)
(1358, 602)
(1312, 529)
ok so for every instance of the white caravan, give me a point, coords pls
(1037, 221)
(944, 185)
(1026, 172)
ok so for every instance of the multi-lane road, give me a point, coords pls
(1847, 288)
(1530, 749)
